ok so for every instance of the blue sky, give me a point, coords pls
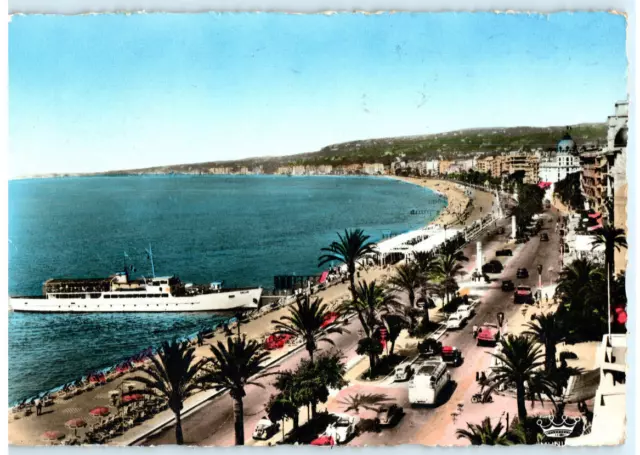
(92, 93)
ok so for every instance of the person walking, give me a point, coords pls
(38, 407)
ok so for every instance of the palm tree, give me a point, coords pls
(350, 249)
(371, 302)
(394, 324)
(406, 279)
(447, 268)
(547, 330)
(519, 362)
(485, 434)
(613, 239)
(368, 401)
(306, 320)
(171, 375)
(426, 262)
(234, 367)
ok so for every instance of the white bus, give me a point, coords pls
(427, 383)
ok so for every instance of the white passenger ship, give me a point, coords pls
(118, 293)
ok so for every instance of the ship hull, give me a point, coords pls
(245, 299)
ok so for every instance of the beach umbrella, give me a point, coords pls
(76, 423)
(52, 435)
(132, 397)
(99, 411)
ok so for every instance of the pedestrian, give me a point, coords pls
(475, 331)
(38, 407)
(546, 298)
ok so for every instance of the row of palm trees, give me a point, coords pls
(175, 373)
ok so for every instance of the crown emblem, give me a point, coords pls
(553, 429)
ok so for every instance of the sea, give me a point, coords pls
(241, 230)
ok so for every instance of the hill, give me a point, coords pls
(452, 144)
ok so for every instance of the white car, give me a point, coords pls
(465, 311)
(403, 371)
(455, 321)
(265, 429)
(343, 429)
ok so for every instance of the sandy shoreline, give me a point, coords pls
(27, 430)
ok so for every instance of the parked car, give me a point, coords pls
(544, 237)
(429, 347)
(403, 371)
(451, 356)
(323, 440)
(465, 311)
(265, 429)
(523, 294)
(488, 333)
(455, 321)
(343, 428)
(522, 273)
(504, 252)
(507, 285)
(389, 415)
(492, 266)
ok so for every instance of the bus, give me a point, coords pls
(430, 378)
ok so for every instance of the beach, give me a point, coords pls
(28, 430)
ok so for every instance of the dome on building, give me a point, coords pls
(566, 144)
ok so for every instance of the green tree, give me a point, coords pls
(314, 379)
(395, 324)
(371, 303)
(485, 434)
(547, 330)
(447, 269)
(407, 278)
(234, 367)
(171, 376)
(306, 321)
(350, 249)
(519, 359)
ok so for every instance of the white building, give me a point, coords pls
(558, 167)
(373, 169)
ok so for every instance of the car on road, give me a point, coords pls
(389, 415)
(343, 429)
(451, 356)
(488, 333)
(507, 285)
(403, 371)
(522, 273)
(523, 294)
(455, 321)
(544, 237)
(430, 379)
(429, 347)
(265, 429)
(465, 311)
(504, 252)
(493, 266)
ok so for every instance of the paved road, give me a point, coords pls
(214, 425)
(418, 422)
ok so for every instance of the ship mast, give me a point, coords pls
(150, 255)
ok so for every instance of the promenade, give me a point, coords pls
(28, 430)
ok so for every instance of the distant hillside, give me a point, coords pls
(452, 144)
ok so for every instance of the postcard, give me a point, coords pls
(318, 229)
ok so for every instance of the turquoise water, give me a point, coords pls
(243, 230)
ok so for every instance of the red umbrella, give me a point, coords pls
(99, 411)
(52, 435)
(132, 397)
(76, 423)
(323, 441)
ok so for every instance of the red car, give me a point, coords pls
(330, 318)
(276, 341)
(323, 441)
(488, 333)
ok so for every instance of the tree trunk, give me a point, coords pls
(550, 357)
(372, 363)
(310, 351)
(352, 283)
(393, 345)
(179, 438)
(412, 298)
(238, 414)
(313, 410)
(522, 410)
(296, 421)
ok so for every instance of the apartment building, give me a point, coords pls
(522, 161)
(373, 169)
(220, 170)
(443, 166)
